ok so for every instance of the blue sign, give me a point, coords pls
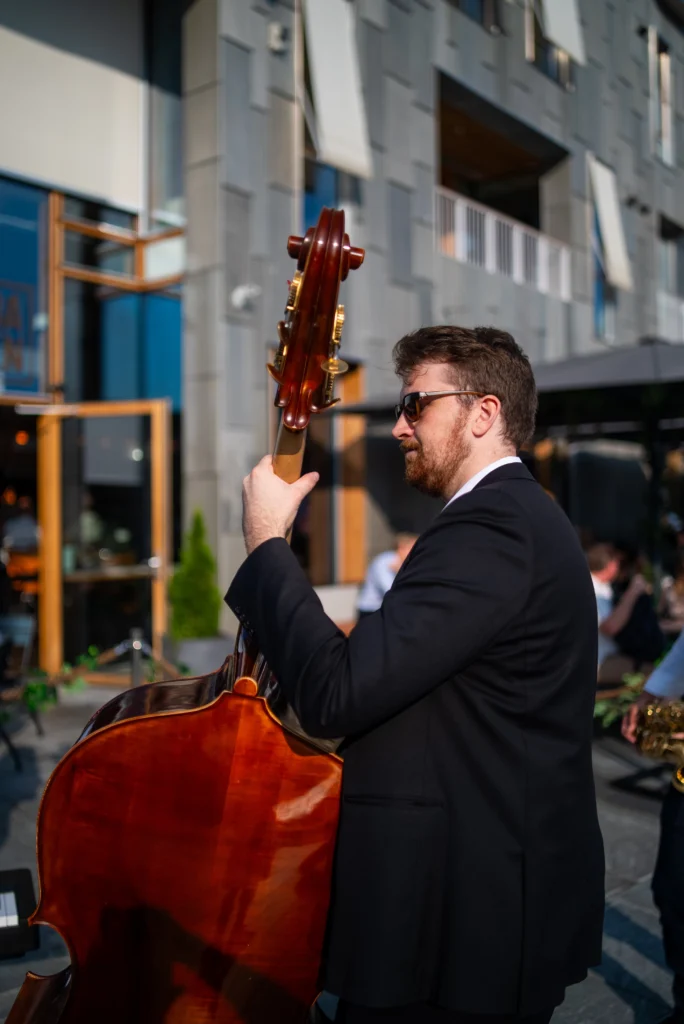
(23, 287)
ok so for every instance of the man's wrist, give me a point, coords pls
(255, 538)
(653, 698)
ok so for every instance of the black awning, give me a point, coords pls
(651, 362)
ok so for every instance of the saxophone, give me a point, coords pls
(657, 728)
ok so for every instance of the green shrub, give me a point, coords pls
(194, 597)
(611, 708)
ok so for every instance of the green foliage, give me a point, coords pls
(194, 597)
(38, 692)
(154, 670)
(88, 662)
(611, 708)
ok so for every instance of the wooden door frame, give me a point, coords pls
(49, 456)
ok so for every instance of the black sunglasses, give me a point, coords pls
(412, 404)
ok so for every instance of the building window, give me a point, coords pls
(660, 90)
(165, 126)
(326, 186)
(484, 12)
(321, 188)
(605, 294)
(550, 59)
(668, 259)
(670, 296)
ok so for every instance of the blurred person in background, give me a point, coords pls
(381, 573)
(641, 638)
(21, 531)
(671, 604)
(667, 684)
(604, 566)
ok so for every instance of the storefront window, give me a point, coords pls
(106, 530)
(23, 288)
(121, 345)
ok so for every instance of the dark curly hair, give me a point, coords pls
(482, 359)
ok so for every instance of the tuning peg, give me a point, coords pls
(293, 291)
(356, 257)
(338, 324)
(334, 367)
(294, 246)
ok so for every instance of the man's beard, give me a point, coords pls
(432, 470)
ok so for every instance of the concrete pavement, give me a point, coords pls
(632, 986)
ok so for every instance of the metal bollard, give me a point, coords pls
(136, 657)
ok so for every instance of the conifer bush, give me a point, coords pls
(193, 594)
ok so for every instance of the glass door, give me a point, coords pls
(104, 513)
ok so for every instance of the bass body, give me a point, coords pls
(179, 897)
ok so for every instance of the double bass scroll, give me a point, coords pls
(304, 369)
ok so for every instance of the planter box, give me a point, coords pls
(202, 656)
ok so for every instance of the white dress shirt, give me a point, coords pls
(474, 480)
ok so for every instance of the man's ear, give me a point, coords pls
(487, 416)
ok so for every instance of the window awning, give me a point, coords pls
(652, 362)
(616, 258)
(562, 26)
(341, 127)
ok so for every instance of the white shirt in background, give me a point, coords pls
(604, 607)
(379, 579)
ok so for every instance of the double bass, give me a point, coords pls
(185, 842)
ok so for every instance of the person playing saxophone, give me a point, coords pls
(667, 684)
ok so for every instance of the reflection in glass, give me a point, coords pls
(99, 254)
(96, 213)
(106, 530)
(121, 345)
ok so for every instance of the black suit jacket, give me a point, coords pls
(469, 864)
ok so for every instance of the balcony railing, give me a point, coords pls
(670, 317)
(475, 234)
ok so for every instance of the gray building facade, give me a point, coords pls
(527, 171)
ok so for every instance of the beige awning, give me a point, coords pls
(341, 126)
(562, 26)
(616, 258)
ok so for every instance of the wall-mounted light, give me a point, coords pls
(277, 37)
(244, 296)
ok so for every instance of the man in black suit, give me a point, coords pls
(468, 882)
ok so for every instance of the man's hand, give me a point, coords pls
(620, 615)
(269, 505)
(638, 586)
(629, 722)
